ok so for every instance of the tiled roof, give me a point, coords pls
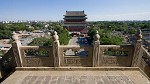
(75, 13)
(75, 18)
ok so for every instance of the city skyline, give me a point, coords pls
(96, 10)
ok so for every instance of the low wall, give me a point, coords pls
(75, 60)
(143, 64)
(108, 55)
(8, 63)
(116, 55)
(37, 58)
(104, 60)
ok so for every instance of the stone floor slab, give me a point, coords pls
(76, 77)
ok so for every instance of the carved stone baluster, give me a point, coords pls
(56, 45)
(96, 51)
(137, 51)
(15, 45)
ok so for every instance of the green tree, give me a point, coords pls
(5, 32)
(106, 38)
(41, 41)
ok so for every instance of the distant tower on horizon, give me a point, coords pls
(75, 22)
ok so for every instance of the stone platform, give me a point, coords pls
(77, 76)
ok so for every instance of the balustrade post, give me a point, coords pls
(137, 49)
(56, 45)
(15, 45)
(96, 50)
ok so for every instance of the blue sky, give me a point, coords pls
(96, 10)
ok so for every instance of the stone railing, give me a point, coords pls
(144, 61)
(36, 56)
(141, 57)
(8, 63)
(108, 55)
(76, 55)
(95, 55)
(115, 55)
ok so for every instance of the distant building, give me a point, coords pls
(146, 33)
(29, 26)
(75, 21)
(4, 46)
(46, 25)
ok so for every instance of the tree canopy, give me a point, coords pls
(62, 33)
(105, 36)
(41, 41)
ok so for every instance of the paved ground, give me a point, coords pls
(76, 77)
(73, 41)
(27, 40)
(77, 41)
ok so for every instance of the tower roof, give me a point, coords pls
(75, 13)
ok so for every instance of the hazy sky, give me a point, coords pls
(96, 10)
